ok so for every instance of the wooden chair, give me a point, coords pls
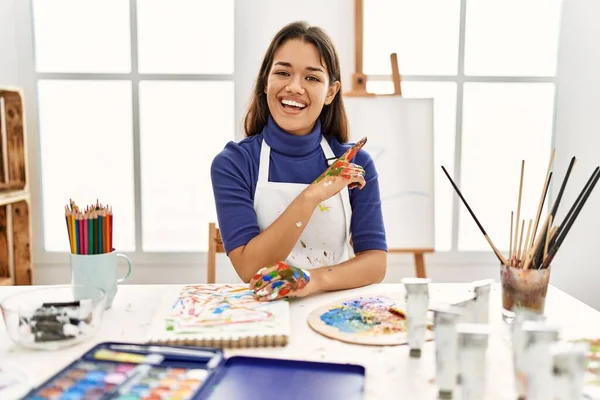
(215, 245)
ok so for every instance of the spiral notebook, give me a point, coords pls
(225, 316)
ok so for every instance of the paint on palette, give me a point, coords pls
(202, 306)
(366, 316)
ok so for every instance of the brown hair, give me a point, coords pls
(333, 116)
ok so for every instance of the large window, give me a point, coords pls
(490, 67)
(135, 98)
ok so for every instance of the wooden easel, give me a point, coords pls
(359, 79)
(359, 88)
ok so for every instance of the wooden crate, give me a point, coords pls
(13, 168)
(15, 243)
(15, 209)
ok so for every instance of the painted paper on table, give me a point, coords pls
(221, 315)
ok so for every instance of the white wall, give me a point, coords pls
(576, 269)
(9, 62)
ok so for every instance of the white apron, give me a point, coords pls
(326, 236)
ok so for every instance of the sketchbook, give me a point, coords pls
(225, 316)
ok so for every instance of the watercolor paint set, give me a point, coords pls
(131, 371)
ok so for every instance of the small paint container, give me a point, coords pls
(472, 350)
(417, 304)
(518, 344)
(537, 359)
(446, 348)
(481, 301)
(568, 362)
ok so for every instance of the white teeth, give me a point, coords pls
(293, 103)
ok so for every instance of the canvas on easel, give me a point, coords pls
(401, 143)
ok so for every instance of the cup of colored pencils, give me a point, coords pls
(90, 230)
(525, 273)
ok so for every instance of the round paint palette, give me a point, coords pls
(371, 320)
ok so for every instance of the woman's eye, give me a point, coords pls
(282, 73)
(312, 78)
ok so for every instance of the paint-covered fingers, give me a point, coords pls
(263, 277)
(278, 281)
(356, 181)
(358, 167)
(273, 291)
(340, 167)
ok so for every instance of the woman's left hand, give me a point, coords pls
(280, 280)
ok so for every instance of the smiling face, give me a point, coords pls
(298, 87)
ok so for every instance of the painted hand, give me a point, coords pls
(279, 280)
(341, 173)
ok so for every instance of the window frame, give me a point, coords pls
(28, 81)
(134, 77)
(460, 79)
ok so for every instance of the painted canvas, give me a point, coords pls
(371, 320)
(220, 315)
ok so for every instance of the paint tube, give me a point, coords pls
(446, 348)
(417, 304)
(481, 301)
(568, 361)
(472, 349)
(518, 344)
(537, 359)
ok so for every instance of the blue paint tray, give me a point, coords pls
(139, 370)
(253, 378)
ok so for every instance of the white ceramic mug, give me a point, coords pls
(98, 270)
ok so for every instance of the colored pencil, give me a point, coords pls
(89, 230)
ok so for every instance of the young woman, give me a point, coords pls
(285, 215)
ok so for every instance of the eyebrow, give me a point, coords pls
(287, 64)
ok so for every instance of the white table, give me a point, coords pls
(391, 373)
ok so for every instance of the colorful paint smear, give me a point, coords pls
(278, 280)
(366, 316)
(202, 306)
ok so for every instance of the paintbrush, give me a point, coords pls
(496, 251)
(573, 213)
(538, 256)
(567, 218)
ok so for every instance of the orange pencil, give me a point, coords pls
(73, 238)
(68, 221)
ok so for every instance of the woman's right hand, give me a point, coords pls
(339, 175)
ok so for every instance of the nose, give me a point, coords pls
(295, 86)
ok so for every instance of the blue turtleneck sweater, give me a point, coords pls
(294, 159)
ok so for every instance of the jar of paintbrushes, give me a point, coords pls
(525, 274)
